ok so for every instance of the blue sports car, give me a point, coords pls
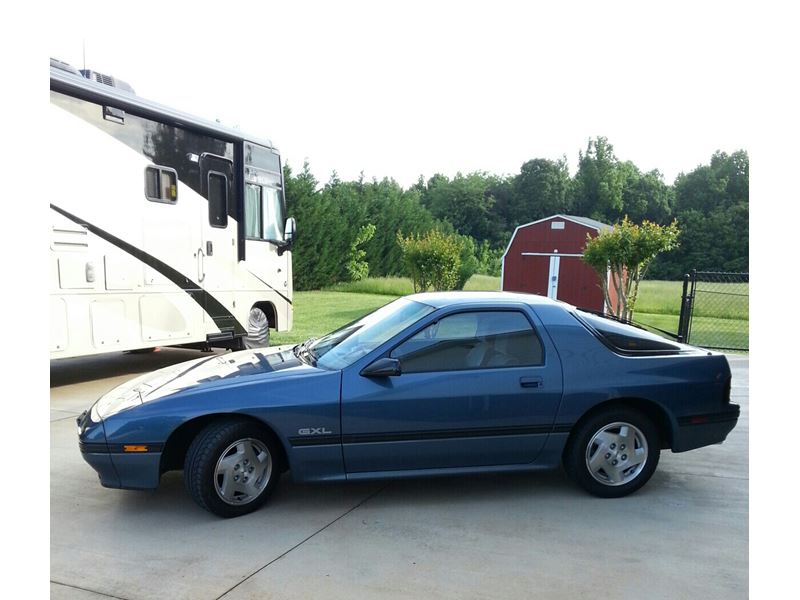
(430, 384)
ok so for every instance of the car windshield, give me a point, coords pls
(344, 346)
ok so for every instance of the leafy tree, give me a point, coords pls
(541, 189)
(469, 262)
(466, 203)
(489, 259)
(626, 251)
(721, 184)
(431, 260)
(599, 182)
(328, 222)
(357, 267)
(392, 209)
(712, 204)
(645, 196)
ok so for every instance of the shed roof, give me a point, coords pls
(588, 222)
(585, 221)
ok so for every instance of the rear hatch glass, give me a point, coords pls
(626, 338)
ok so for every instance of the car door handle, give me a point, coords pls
(530, 382)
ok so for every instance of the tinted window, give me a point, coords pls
(217, 200)
(473, 340)
(626, 337)
(161, 185)
(261, 158)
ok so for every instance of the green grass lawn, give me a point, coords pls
(482, 283)
(721, 324)
(402, 286)
(317, 313)
(720, 300)
(706, 331)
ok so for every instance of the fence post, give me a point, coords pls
(682, 318)
(687, 299)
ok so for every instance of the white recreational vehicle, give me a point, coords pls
(165, 229)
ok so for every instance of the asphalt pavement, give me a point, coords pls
(534, 535)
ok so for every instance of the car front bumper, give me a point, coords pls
(115, 467)
(696, 431)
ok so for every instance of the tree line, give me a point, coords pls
(481, 210)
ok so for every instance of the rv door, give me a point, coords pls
(216, 256)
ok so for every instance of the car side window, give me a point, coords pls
(472, 340)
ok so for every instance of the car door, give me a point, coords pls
(478, 388)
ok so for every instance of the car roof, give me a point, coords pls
(441, 299)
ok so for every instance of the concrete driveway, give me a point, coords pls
(684, 535)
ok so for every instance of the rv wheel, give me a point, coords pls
(257, 329)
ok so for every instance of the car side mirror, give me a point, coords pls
(383, 367)
(289, 231)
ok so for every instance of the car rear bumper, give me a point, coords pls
(696, 431)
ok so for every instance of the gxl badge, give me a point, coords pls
(314, 431)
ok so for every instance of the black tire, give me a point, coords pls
(598, 442)
(257, 329)
(204, 460)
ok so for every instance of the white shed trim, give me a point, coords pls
(548, 254)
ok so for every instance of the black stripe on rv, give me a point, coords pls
(222, 316)
(270, 287)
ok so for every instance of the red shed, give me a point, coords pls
(544, 257)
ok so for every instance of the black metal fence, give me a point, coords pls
(715, 311)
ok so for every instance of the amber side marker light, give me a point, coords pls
(134, 448)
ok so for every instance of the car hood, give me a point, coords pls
(221, 369)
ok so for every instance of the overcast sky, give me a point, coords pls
(407, 89)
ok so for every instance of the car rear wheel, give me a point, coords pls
(613, 453)
(230, 468)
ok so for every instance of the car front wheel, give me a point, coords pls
(230, 468)
(613, 453)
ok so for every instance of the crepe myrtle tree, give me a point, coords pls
(432, 260)
(624, 253)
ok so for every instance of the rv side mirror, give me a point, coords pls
(383, 367)
(289, 231)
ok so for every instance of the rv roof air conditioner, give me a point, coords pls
(107, 80)
(93, 75)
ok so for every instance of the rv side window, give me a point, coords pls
(217, 199)
(161, 185)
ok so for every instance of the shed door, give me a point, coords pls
(552, 279)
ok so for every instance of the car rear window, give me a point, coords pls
(625, 338)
